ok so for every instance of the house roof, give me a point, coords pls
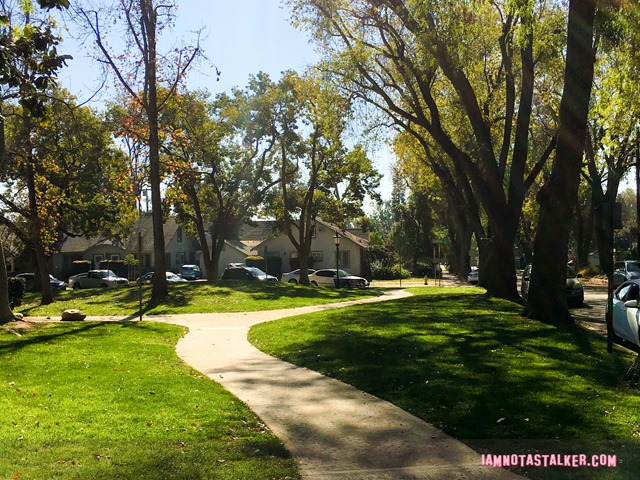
(144, 225)
(361, 241)
(358, 240)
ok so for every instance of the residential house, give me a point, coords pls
(352, 248)
(255, 238)
(180, 248)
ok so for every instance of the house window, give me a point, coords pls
(293, 254)
(168, 260)
(96, 260)
(180, 258)
(313, 231)
(180, 235)
(317, 256)
(115, 257)
(345, 258)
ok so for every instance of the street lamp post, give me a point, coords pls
(336, 240)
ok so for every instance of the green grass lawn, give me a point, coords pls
(112, 400)
(473, 367)
(196, 297)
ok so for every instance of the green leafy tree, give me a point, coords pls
(150, 79)
(463, 76)
(219, 154)
(29, 61)
(70, 170)
(318, 174)
(547, 299)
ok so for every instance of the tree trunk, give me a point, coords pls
(633, 374)
(303, 265)
(35, 228)
(586, 226)
(160, 289)
(6, 315)
(547, 293)
(498, 265)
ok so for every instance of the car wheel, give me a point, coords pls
(104, 285)
(294, 281)
(314, 283)
(76, 286)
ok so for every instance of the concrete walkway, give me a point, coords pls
(334, 430)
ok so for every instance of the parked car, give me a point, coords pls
(294, 276)
(96, 279)
(31, 284)
(627, 270)
(626, 315)
(327, 277)
(171, 278)
(473, 277)
(246, 273)
(190, 272)
(575, 289)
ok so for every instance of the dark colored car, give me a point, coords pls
(247, 274)
(31, 284)
(190, 272)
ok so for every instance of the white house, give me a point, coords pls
(352, 248)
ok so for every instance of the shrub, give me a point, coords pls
(383, 272)
(588, 272)
(256, 261)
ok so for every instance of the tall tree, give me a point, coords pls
(220, 161)
(29, 61)
(319, 175)
(140, 69)
(547, 299)
(466, 77)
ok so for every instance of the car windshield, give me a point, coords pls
(342, 273)
(108, 274)
(256, 271)
(633, 267)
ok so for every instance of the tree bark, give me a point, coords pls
(160, 289)
(633, 374)
(547, 293)
(6, 314)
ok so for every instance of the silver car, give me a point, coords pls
(96, 279)
(327, 277)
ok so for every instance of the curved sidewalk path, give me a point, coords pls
(334, 430)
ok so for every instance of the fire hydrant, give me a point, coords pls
(426, 280)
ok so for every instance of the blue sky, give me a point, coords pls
(240, 37)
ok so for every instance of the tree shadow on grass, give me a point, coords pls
(473, 367)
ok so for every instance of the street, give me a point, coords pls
(591, 314)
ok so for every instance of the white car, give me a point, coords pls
(473, 277)
(171, 278)
(327, 277)
(294, 276)
(96, 279)
(626, 315)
